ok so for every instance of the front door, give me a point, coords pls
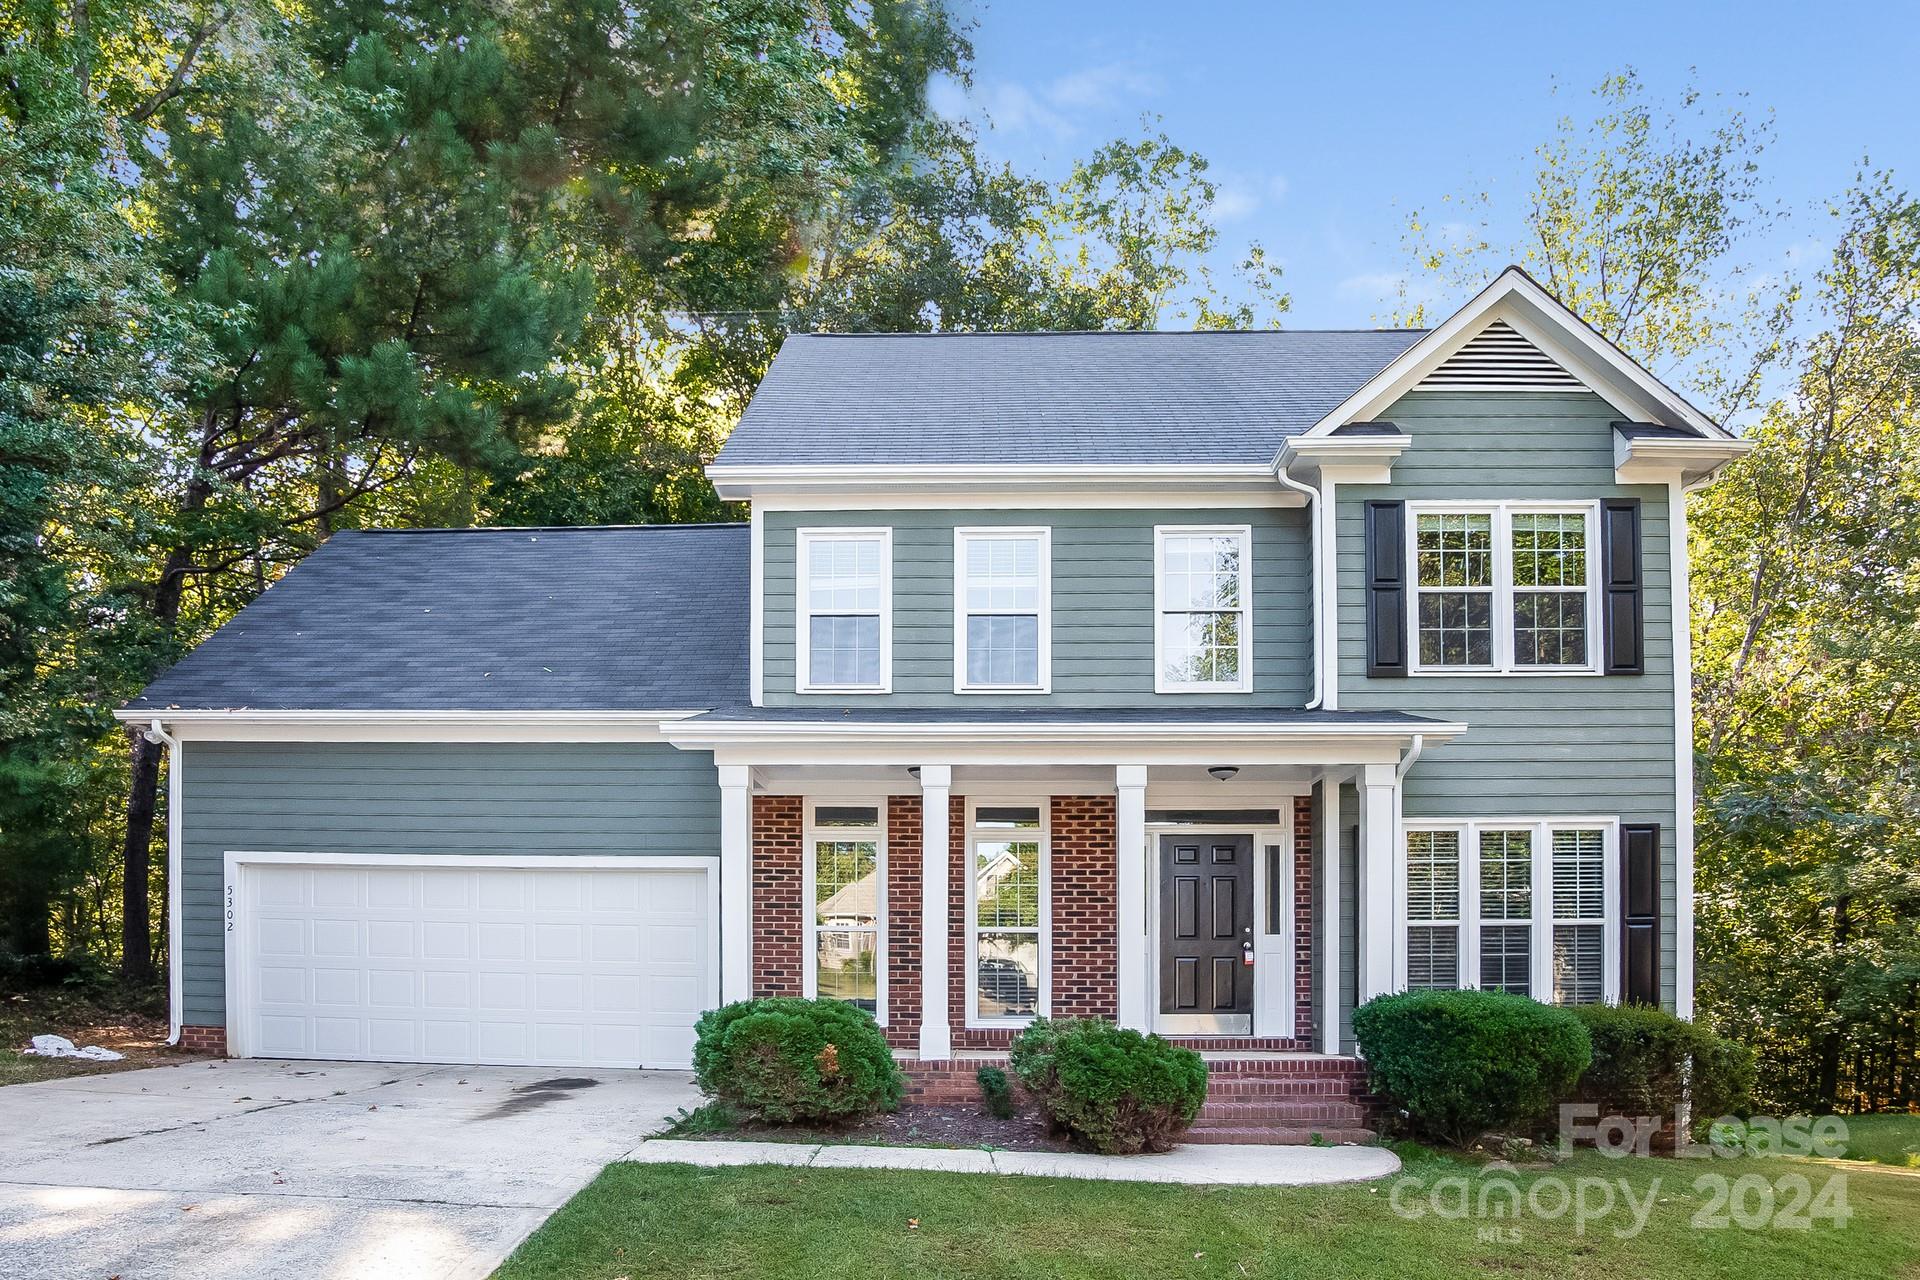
(1206, 935)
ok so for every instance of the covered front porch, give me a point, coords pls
(1200, 878)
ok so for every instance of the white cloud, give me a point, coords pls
(1234, 201)
(1059, 107)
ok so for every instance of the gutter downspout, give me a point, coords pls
(1313, 554)
(1412, 757)
(157, 734)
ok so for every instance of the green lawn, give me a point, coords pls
(1891, 1140)
(684, 1222)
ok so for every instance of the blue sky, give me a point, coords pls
(1327, 124)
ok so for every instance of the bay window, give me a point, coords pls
(1001, 607)
(1504, 587)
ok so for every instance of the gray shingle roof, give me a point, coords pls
(1092, 398)
(616, 619)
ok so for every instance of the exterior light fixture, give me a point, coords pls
(1223, 772)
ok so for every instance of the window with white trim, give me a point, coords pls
(1506, 909)
(1505, 586)
(1433, 910)
(845, 887)
(1002, 609)
(1523, 907)
(1579, 916)
(1007, 932)
(843, 628)
(1203, 600)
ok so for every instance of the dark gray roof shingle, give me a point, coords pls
(1069, 398)
(608, 619)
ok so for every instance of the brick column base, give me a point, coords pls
(204, 1040)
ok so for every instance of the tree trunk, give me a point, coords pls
(136, 931)
(143, 785)
(1830, 1044)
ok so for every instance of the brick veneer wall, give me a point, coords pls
(1303, 916)
(204, 1040)
(1086, 923)
(779, 922)
(903, 921)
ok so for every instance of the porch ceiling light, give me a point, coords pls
(913, 770)
(1223, 772)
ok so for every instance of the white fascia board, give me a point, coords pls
(950, 480)
(1515, 297)
(208, 725)
(1659, 459)
(1150, 737)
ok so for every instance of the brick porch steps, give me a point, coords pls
(1281, 1098)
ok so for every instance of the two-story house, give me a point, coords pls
(1211, 682)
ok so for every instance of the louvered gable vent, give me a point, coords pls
(1499, 358)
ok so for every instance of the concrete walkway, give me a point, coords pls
(1248, 1166)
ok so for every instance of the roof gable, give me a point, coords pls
(1516, 302)
(1499, 358)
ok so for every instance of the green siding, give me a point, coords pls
(1538, 746)
(1102, 605)
(412, 798)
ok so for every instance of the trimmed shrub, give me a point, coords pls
(1456, 1064)
(1111, 1089)
(996, 1095)
(784, 1061)
(1644, 1058)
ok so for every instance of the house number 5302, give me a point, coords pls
(229, 908)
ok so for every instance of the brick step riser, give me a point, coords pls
(1280, 1089)
(1240, 1112)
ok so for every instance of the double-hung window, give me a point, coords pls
(1203, 602)
(844, 632)
(844, 881)
(1433, 909)
(1579, 916)
(1504, 587)
(1525, 907)
(1002, 610)
(1006, 913)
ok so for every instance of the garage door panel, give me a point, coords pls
(533, 965)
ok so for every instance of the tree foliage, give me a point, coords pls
(276, 269)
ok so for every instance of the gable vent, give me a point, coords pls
(1498, 358)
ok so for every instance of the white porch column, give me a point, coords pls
(1330, 913)
(1377, 783)
(736, 883)
(1133, 952)
(936, 1036)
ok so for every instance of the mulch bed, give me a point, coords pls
(136, 1029)
(914, 1126)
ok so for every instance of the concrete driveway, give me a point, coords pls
(311, 1169)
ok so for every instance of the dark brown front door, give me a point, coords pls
(1206, 934)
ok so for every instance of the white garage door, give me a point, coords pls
(537, 965)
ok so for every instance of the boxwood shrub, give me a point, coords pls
(787, 1061)
(1644, 1058)
(1111, 1089)
(1454, 1065)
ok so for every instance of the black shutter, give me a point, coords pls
(1640, 914)
(1386, 588)
(1622, 621)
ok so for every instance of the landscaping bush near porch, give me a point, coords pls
(787, 1061)
(1645, 1058)
(1112, 1089)
(1458, 1064)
